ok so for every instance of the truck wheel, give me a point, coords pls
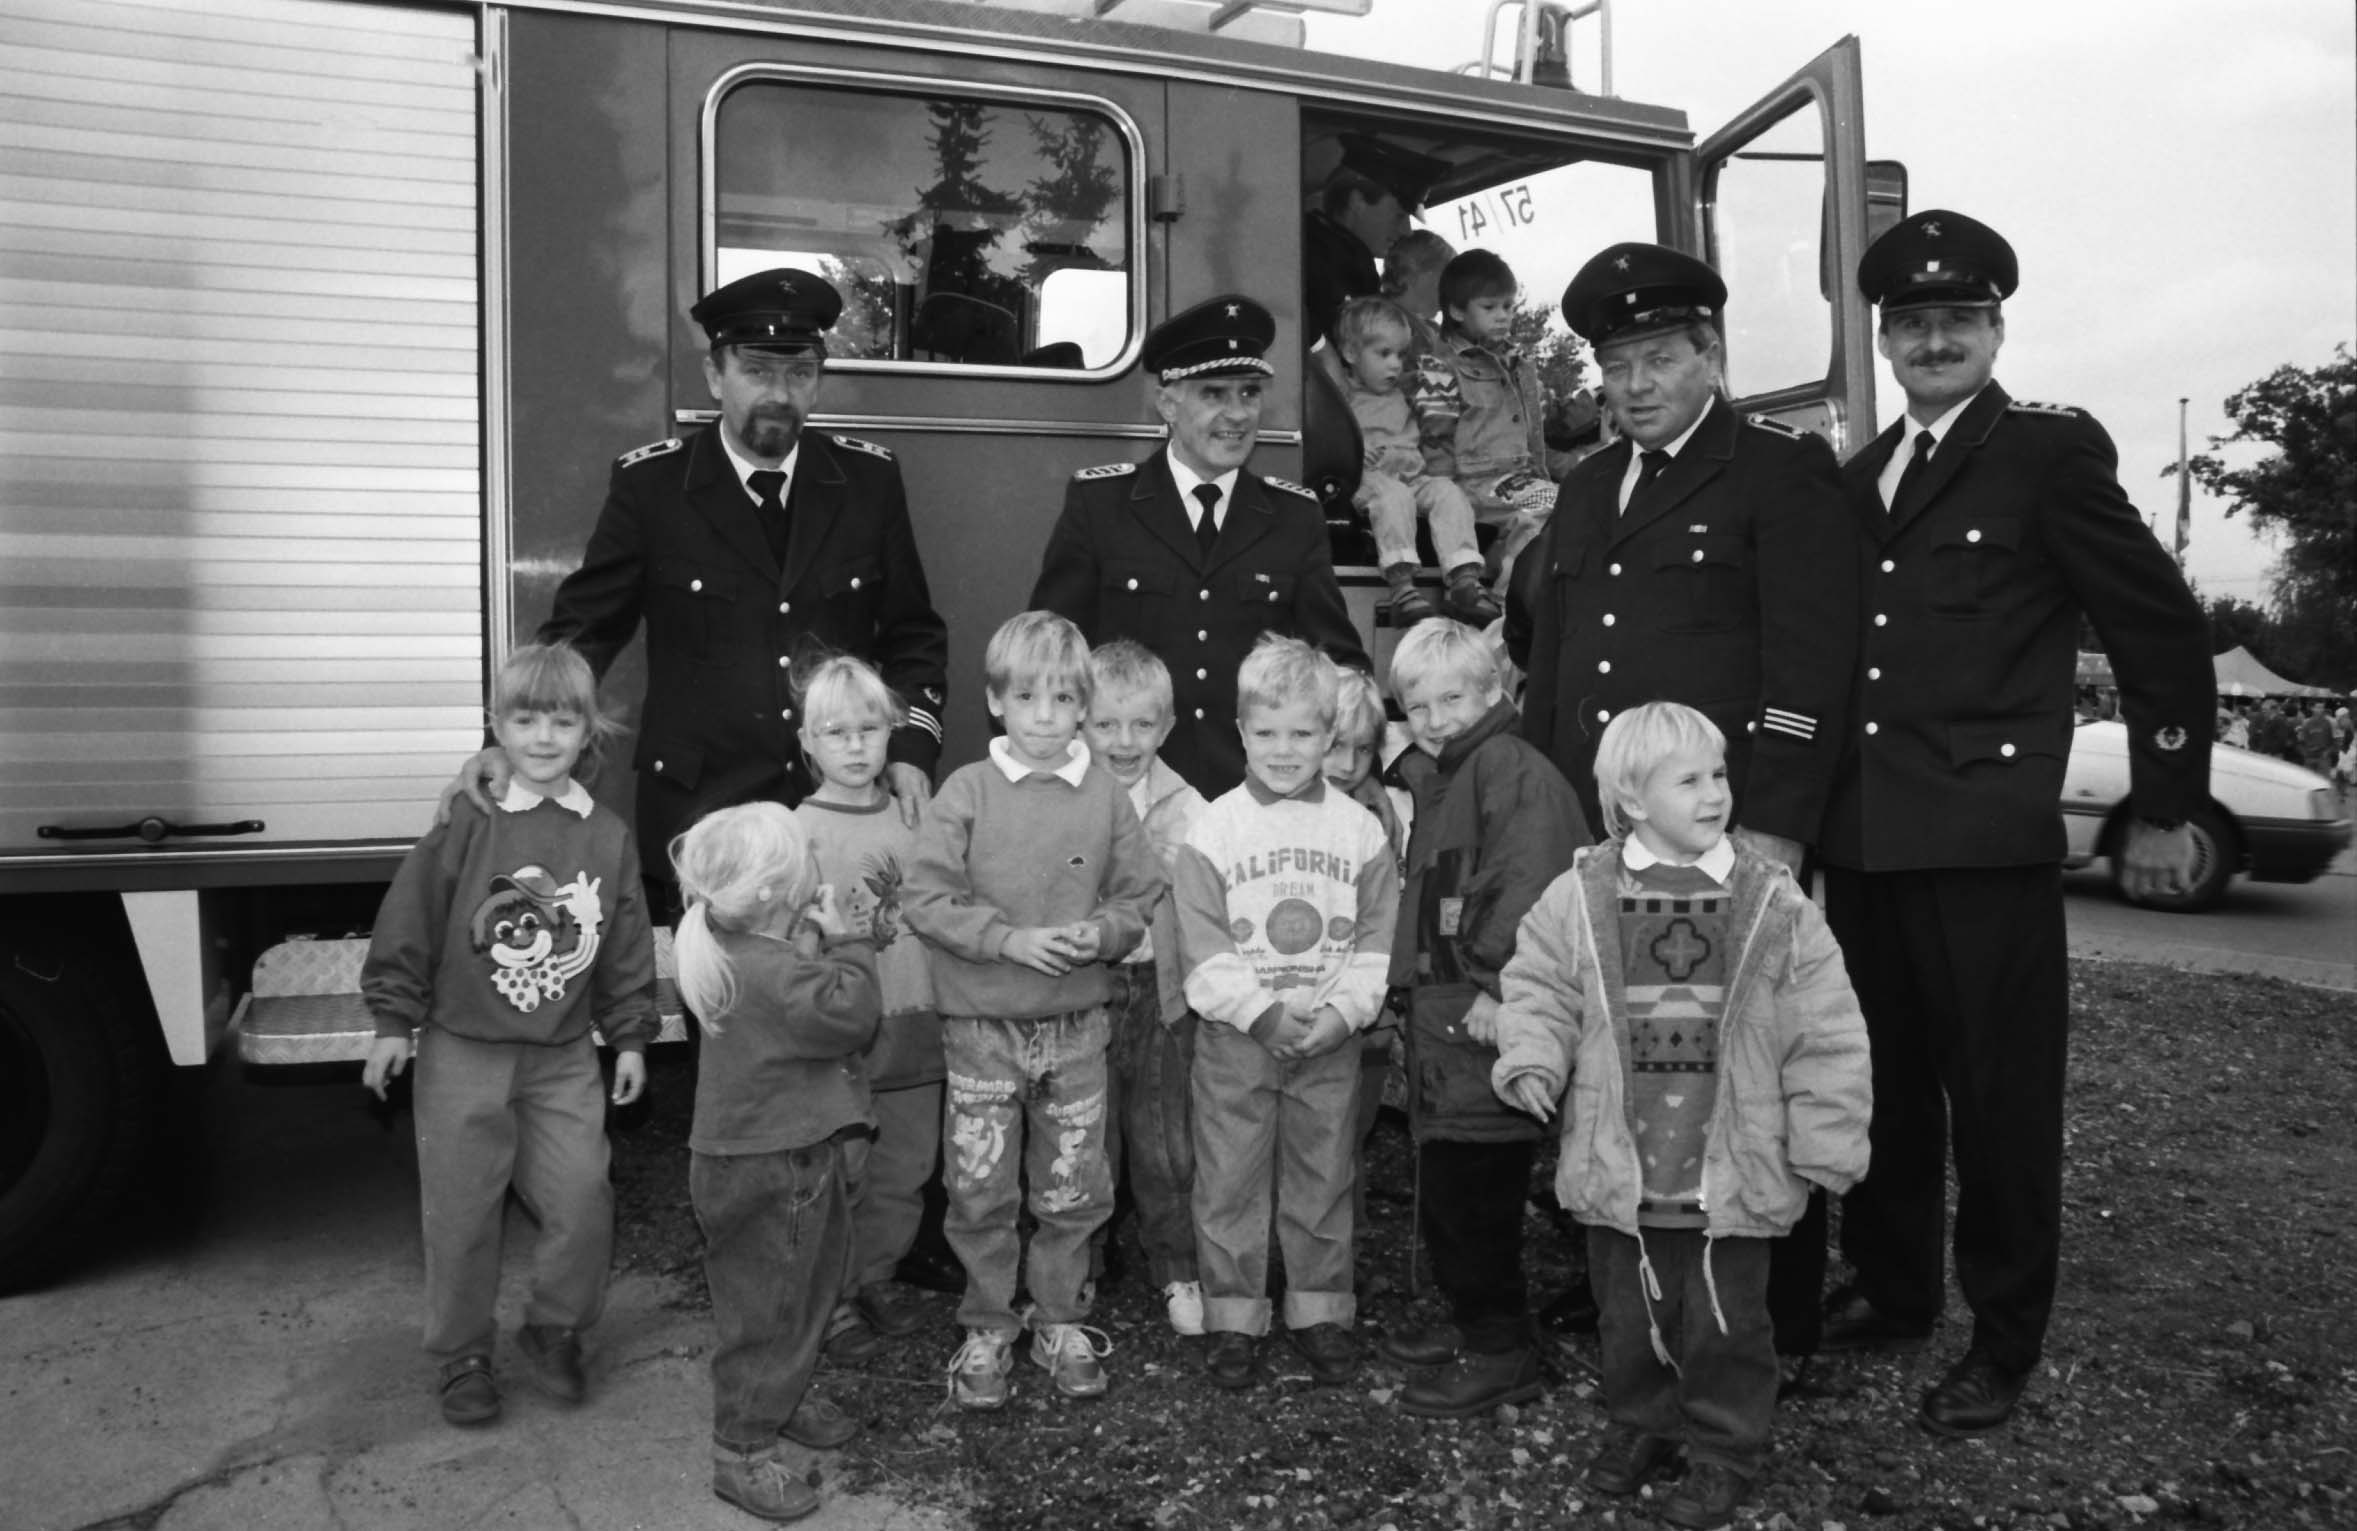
(2214, 855)
(78, 1092)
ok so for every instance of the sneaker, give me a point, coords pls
(1184, 1302)
(555, 1358)
(978, 1372)
(1071, 1357)
(761, 1483)
(470, 1395)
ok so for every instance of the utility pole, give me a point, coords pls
(2184, 491)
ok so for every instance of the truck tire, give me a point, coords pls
(79, 1088)
(2216, 851)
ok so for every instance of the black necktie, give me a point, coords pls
(1207, 529)
(768, 483)
(1650, 462)
(1911, 476)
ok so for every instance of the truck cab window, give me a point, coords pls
(962, 231)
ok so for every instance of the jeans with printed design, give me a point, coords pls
(777, 1249)
(1027, 1099)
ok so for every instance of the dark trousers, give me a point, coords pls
(1151, 1135)
(1963, 976)
(1796, 1281)
(777, 1254)
(1720, 1396)
(1470, 1197)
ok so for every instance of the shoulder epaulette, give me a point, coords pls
(1290, 487)
(857, 445)
(1106, 470)
(2033, 407)
(651, 449)
(1770, 423)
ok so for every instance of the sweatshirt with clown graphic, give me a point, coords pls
(527, 924)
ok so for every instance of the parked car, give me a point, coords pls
(2267, 817)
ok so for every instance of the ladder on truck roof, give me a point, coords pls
(1542, 44)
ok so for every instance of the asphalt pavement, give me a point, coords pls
(2304, 932)
(260, 1371)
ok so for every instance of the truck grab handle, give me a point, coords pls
(151, 829)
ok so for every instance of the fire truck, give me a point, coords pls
(321, 321)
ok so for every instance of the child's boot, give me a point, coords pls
(1467, 601)
(1407, 605)
(978, 1372)
(761, 1483)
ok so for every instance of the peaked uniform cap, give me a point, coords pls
(1936, 258)
(784, 310)
(1223, 337)
(1404, 173)
(1631, 290)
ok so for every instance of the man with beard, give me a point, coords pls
(747, 548)
(1190, 552)
(1988, 526)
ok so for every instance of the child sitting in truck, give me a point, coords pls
(504, 938)
(1374, 337)
(1495, 445)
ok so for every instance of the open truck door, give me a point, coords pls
(1779, 201)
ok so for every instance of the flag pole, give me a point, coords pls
(2184, 490)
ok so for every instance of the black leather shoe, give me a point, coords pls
(818, 1425)
(1474, 1383)
(1628, 1460)
(1974, 1398)
(1421, 1344)
(851, 1340)
(1332, 1354)
(889, 1311)
(1853, 1323)
(1234, 1361)
(554, 1356)
(1705, 1499)
(1574, 1312)
(930, 1270)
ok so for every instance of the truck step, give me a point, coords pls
(305, 1006)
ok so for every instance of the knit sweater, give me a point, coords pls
(864, 853)
(522, 926)
(1286, 903)
(995, 856)
(784, 1070)
(1673, 956)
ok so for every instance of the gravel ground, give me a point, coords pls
(2202, 1367)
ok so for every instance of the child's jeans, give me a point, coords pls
(1722, 1398)
(890, 1199)
(1153, 1070)
(1252, 1110)
(1392, 505)
(777, 1247)
(1026, 1099)
(496, 1115)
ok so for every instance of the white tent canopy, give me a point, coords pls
(2241, 675)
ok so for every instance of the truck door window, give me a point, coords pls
(1771, 245)
(963, 231)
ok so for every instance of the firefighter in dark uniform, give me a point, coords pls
(1364, 206)
(1704, 558)
(1192, 553)
(750, 546)
(1987, 528)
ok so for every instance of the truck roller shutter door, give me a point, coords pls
(240, 415)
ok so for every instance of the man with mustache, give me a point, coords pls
(751, 545)
(1987, 527)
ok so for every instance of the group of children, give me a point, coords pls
(1451, 423)
(1073, 965)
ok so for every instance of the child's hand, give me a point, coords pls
(1326, 1031)
(387, 1056)
(1481, 1022)
(1292, 1029)
(825, 915)
(1528, 1092)
(1083, 940)
(1045, 948)
(630, 1077)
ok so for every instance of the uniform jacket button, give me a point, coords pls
(1880, 620)
(1698, 555)
(1887, 566)
(1603, 714)
(695, 584)
(1973, 536)
(2006, 750)
(1609, 619)
(1616, 570)
(1133, 584)
(1603, 667)
(784, 607)
(1873, 728)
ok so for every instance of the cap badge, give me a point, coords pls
(1231, 345)
(1234, 309)
(2170, 738)
(1931, 228)
(1622, 264)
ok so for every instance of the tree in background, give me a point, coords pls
(2236, 624)
(2303, 494)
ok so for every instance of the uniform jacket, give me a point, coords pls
(1336, 266)
(1122, 563)
(1729, 586)
(1795, 1088)
(1495, 824)
(1971, 607)
(679, 546)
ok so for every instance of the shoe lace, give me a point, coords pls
(982, 1352)
(1077, 1342)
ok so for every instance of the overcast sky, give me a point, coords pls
(2179, 180)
